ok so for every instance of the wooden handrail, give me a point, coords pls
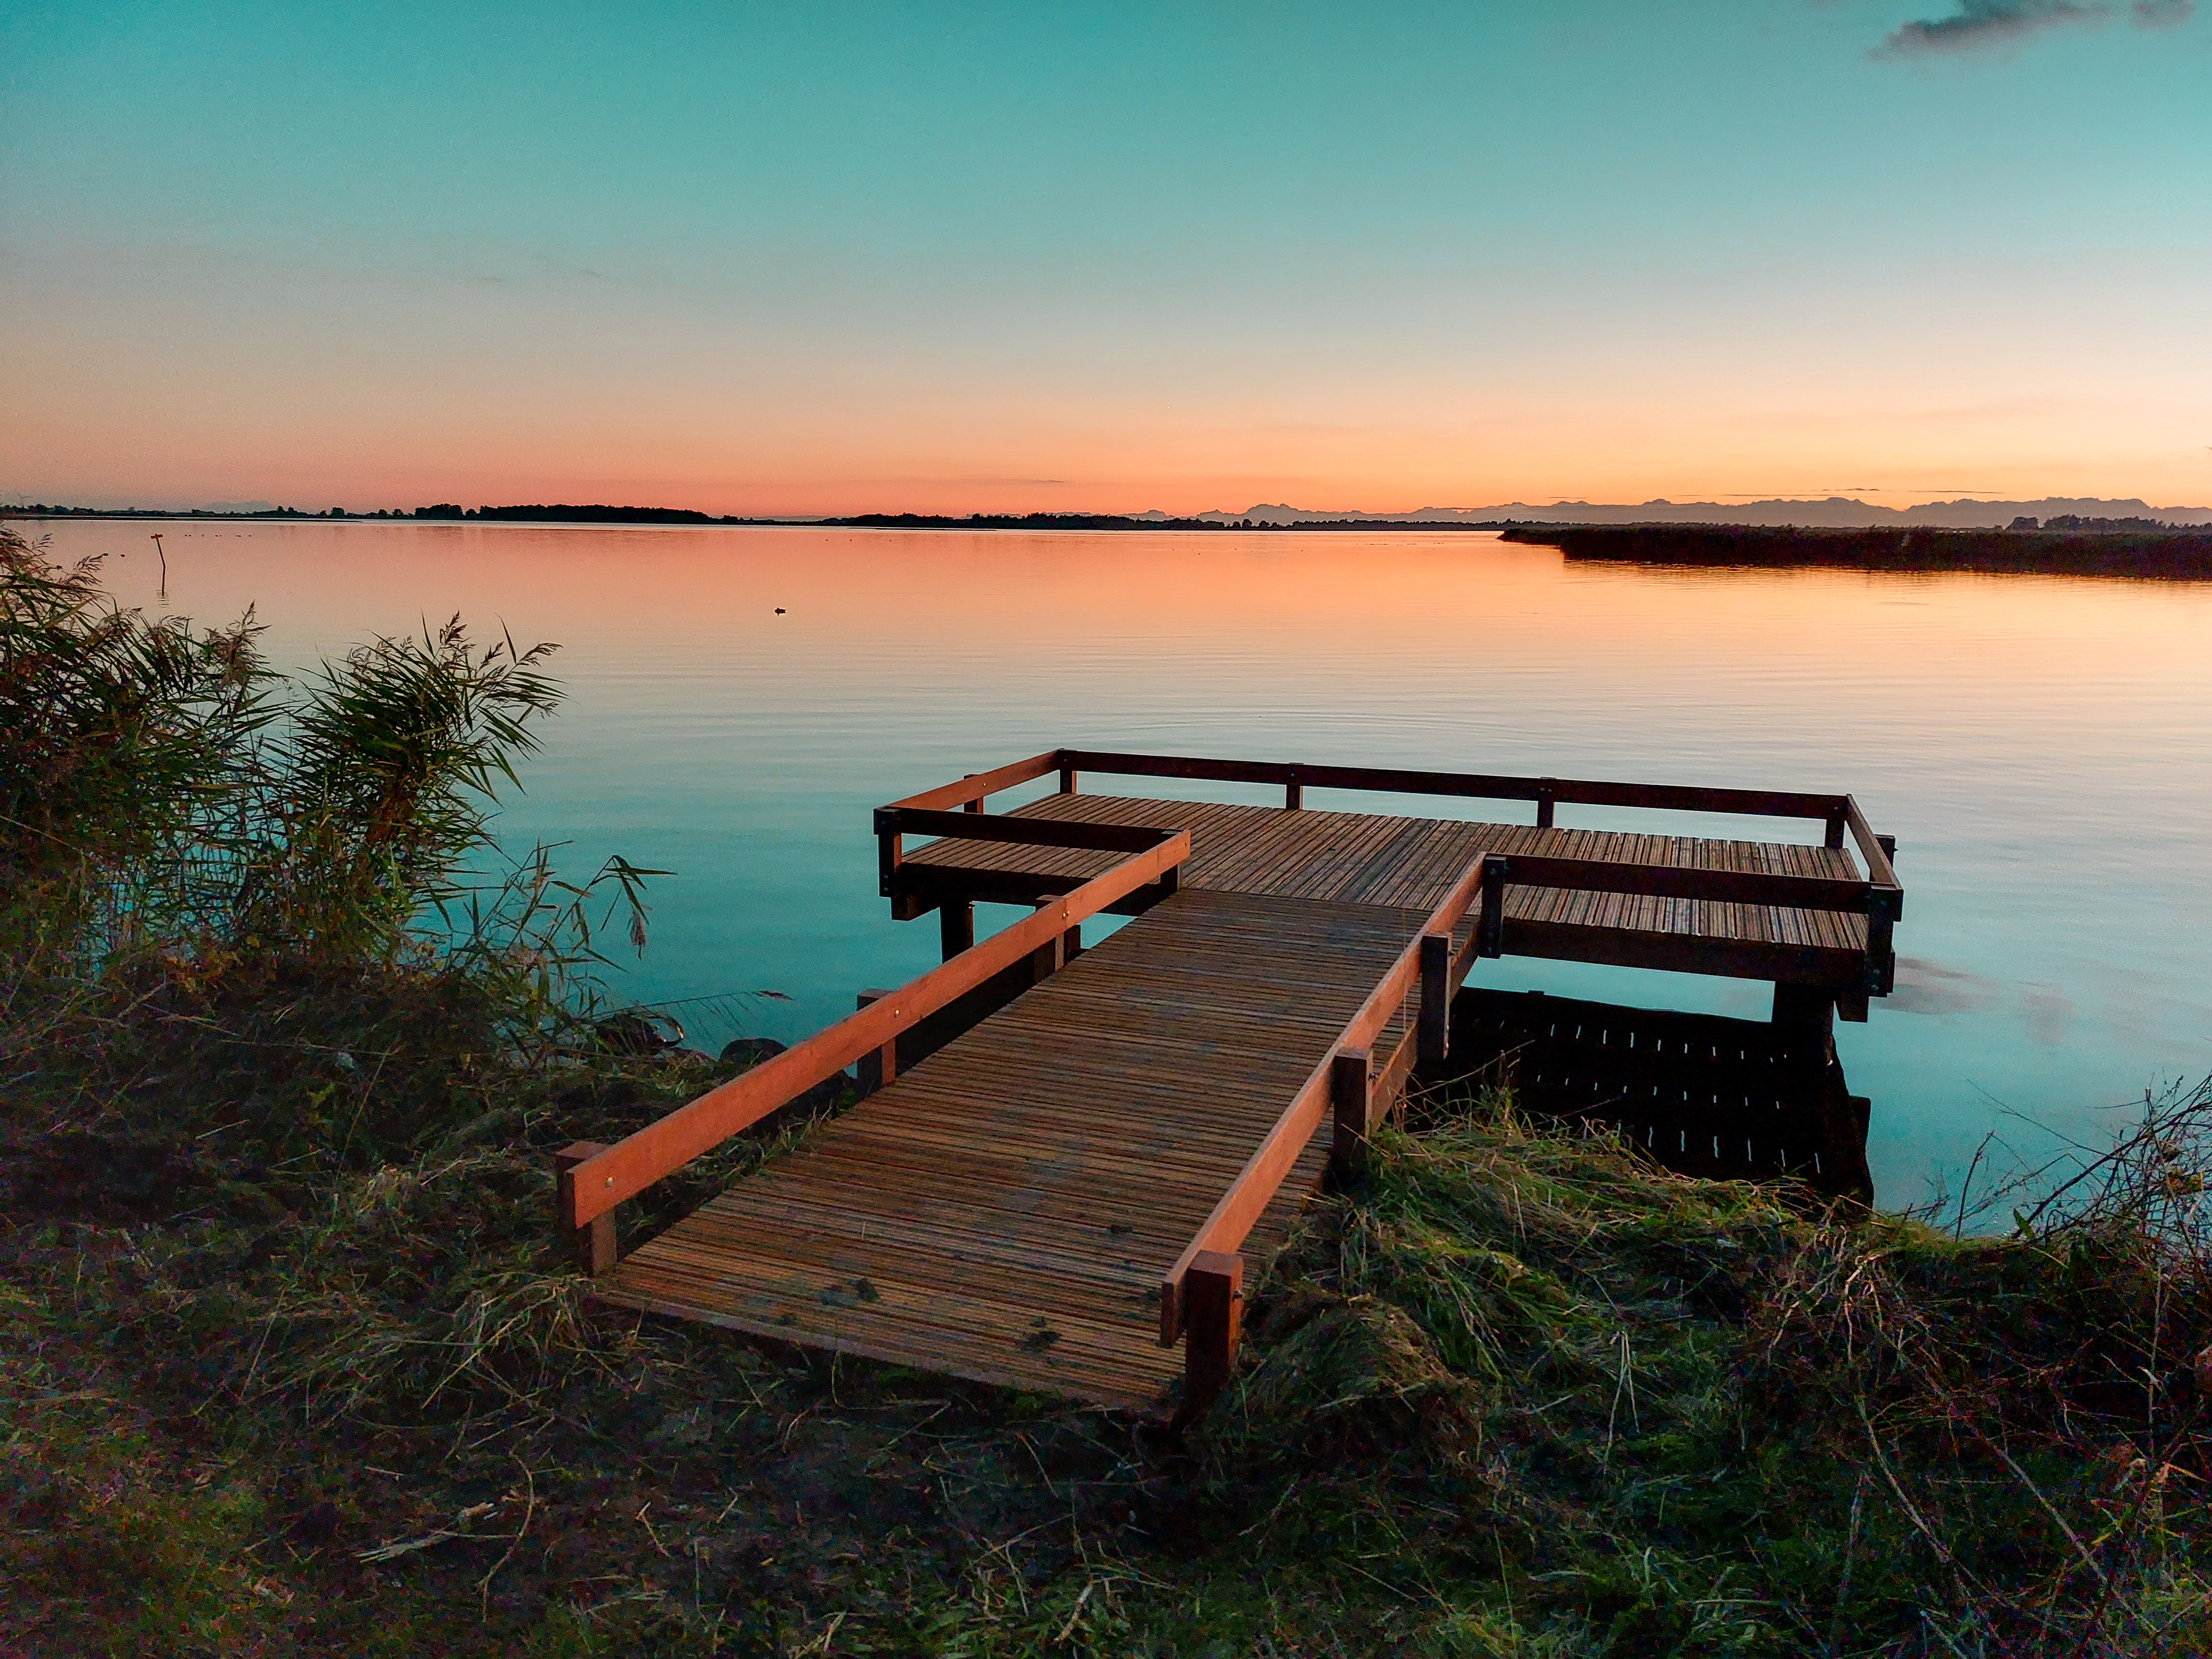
(1028, 832)
(1880, 869)
(1886, 908)
(1879, 898)
(1254, 1187)
(971, 791)
(1695, 798)
(978, 785)
(596, 1185)
(1837, 812)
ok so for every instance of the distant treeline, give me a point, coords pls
(1016, 522)
(2075, 521)
(566, 513)
(563, 512)
(1123, 521)
(41, 510)
(2167, 553)
(2028, 544)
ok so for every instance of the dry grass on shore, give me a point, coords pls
(1515, 1394)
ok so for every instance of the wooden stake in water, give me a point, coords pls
(164, 552)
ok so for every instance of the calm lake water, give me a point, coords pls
(2039, 745)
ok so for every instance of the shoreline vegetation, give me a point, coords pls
(450, 513)
(289, 1362)
(2100, 548)
(2064, 544)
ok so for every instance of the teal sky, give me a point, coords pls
(1186, 256)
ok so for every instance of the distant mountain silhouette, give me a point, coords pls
(1836, 511)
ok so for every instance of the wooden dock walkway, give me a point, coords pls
(1003, 1211)
(1065, 1156)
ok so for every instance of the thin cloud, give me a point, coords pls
(1983, 25)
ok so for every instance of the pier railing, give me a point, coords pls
(956, 811)
(593, 1179)
(1201, 1294)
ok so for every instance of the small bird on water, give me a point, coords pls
(778, 610)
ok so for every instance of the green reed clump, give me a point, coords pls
(170, 804)
(124, 737)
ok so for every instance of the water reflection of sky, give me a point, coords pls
(2038, 745)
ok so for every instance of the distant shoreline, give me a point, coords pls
(2166, 555)
(598, 517)
(1771, 512)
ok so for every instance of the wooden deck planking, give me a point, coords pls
(1004, 1209)
(1408, 863)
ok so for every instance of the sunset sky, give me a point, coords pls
(934, 257)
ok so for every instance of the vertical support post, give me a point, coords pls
(590, 1248)
(1047, 959)
(1882, 913)
(1067, 779)
(878, 1067)
(1433, 1035)
(1071, 944)
(1836, 820)
(890, 852)
(1294, 792)
(1882, 948)
(956, 927)
(1808, 1008)
(1351, 1096)
(1547, 799)
(975, 805)
(1213, 1325)
(1492, 928)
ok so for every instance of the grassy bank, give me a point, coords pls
(2181, 555)
(289, 1365)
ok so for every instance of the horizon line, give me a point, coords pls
(1728, 502)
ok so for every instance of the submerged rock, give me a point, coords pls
(637, 1031)
(750, 1051)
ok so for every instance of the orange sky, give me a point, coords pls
(162, 412)
(1165, 256)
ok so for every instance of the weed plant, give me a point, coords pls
(289, 1365)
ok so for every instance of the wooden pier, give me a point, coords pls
(1066, 1157)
